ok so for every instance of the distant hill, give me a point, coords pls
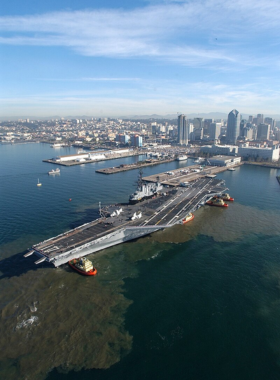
(209, 115)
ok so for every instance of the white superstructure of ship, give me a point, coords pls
(182, 157)
(54, 171)
(56, 145)
(144, 190)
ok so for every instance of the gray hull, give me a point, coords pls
(114, 238)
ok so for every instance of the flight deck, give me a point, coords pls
(124, 222)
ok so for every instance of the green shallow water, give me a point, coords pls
(199, 301)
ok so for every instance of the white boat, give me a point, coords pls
(39, 184)
(182, 158)
(199, 159)
(56, 171)
(231, 169)
(56, 145)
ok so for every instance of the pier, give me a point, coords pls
(137, 165)
(91, 157)
(187, 174)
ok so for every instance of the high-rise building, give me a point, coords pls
(248, 132)
(243, 124)
(198, 122)
(259, 118)
(191, 133)
(233, 127)
(263, 131)
(183, 136)
(122, 138)
(198, 125)
(277, 135)
(214, 131)
(207, 123)
(136, 140)
(272, 122)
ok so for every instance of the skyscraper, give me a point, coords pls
(263, 131)
(233, 127)
(259, 118)
(272, 122)
(183, 135)
(136, 140)
(214, 131)
(198, 127)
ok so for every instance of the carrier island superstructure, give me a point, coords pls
(121, 223)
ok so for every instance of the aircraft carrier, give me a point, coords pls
(123, 222)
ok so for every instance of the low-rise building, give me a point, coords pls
(271, 154)
(228, 150)
(224, 160)
(244, 151)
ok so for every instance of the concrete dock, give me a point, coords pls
(186, 174)
(83, 158)
(138, 165)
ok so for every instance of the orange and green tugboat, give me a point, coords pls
(218, 202)
(83, 266)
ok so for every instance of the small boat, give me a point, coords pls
(56, 145)
(224, 197)
(188, 218)
(83, 266)
(227, 197)
(56, 171)
(278, 179)
(231, 169)
(182, 158)
(39, 184)
(218, 202)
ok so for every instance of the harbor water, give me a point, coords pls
(199, 301)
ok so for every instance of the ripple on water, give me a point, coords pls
(27, 322)
(72, 321)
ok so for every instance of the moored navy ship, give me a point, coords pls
(121, 223)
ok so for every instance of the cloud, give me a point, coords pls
(93, 79)
(168, 98)
(186, 32)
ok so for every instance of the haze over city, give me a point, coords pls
(147, 57)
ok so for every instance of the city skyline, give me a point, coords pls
(149, 57)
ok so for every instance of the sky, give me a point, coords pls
(119, 58)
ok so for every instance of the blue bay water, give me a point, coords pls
(199, 301)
